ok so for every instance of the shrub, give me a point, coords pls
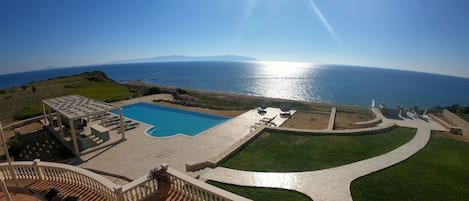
(181, 91)
(14, 147)
(33, 88)
(153, 90)
(159, 174)
(96, 79)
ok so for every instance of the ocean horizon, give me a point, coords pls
(336, 84)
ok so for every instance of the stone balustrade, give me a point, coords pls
(36, 170)
(196, 190)
(137, 190)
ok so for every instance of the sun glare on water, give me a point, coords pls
(280, 79)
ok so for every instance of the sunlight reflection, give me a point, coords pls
(288, 80)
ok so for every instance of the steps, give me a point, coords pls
(96, 139)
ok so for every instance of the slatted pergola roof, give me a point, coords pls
(75, 106)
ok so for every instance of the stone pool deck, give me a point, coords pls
(139, 153)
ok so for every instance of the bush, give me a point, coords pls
(28, 111)
(14, 147)
(96, 79)
(153, 90)
(181, 91)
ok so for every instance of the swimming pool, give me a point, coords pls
(170, 121)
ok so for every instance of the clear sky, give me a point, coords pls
(420, 35)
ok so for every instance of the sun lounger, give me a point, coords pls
(268, 120)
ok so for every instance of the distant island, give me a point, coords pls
(187, 58)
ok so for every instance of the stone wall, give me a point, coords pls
(457, 121)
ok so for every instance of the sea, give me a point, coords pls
(338, 84)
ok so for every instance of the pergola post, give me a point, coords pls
(44, 112)
(122, 123)
(49, 114)
(61, 129)
(51, 122)
(74, 138)
(7, 155)
(5, 190)
(102, 119)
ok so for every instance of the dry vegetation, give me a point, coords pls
(308, 120)
(347, 119)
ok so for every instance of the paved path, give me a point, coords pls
(332, 119)
(330, 184)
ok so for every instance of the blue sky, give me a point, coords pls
(420, 35)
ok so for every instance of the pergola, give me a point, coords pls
(74, 107)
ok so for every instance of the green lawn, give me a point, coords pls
(438, 172)
(261, 194)
(279, 152)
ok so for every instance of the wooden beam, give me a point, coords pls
(44, 113)
(61, 129)
(7, 155)
(102, 119)
(74, 138)
(122, 123)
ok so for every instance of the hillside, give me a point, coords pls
(25, 101)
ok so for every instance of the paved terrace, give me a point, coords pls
(331, 184)
(140, 153)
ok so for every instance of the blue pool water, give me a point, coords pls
(171, 121)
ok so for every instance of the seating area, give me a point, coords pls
(75, 119)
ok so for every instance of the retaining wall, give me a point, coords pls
(457, 121)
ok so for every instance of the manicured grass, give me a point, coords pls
(261, 194)
(438, 172)
(280, 152)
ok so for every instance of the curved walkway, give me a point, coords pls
(331, 184)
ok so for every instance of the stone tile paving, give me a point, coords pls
(139, 153)
(331, 184)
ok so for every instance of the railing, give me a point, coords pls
(196, 190)
(36, 170)
(179, 183)
(137, 190)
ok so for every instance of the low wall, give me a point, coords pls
(456, 120)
